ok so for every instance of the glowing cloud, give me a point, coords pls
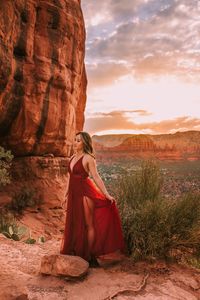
(143, 56)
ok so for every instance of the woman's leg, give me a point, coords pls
(89, 211)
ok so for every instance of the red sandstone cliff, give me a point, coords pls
(42, 93)
(42, 75)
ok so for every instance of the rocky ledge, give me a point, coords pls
(21, 277)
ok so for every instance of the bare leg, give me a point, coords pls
(89, 210)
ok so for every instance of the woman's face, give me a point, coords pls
(78, 143)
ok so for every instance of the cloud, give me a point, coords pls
(152, 37)
(142, 40)
(115, 9)
(140, 112)
(118, 120)
(114, 120)
(105, 73)
(125, 9)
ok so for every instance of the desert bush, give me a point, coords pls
(30, 241)
(9, 226)
(194, 262)
(6, 219)
(5, 163)
(142, 185)
(11, 229)
(152, 224)
(184, 221)
(25, 198)
(15, 232)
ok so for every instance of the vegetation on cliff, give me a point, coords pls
(5, 163)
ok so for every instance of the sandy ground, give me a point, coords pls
(20, 278)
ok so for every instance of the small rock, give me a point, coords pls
(64, 265)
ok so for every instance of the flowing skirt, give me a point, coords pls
(107, 225)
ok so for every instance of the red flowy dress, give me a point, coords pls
(108, 231)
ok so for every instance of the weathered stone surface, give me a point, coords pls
(81, 107)
(64, 265)
(42, 97)
(46, 175)
(20, 275)
(42, 75)
(46, 179)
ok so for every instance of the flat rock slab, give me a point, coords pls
(64, 265)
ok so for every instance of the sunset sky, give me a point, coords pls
(143, 66)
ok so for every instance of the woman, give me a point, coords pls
(92, 225)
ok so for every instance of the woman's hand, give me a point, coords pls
(97, 179)
(109, 197)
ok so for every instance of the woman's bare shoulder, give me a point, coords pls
(88, 157)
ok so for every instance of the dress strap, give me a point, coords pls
(71, 158)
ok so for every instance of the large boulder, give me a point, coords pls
(64, 265)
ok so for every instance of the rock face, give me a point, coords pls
(42, 75)
(64, 265)
(42, 91)
(45, 179)
(46, 175)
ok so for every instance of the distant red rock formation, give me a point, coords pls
(181, 145)
(136, 143)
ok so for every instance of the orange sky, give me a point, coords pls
(143, 66)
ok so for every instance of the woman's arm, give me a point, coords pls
(97, 179)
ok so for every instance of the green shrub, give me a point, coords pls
(25, 198)
(30, 241)
(15, 232)
(194, 262)
(153, 225)
(141, 186)
(9, 226)
(5, 163)
(41, 239)
(184, 221)
(6, 219)
(11, 229)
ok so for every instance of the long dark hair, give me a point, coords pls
(87, 142)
